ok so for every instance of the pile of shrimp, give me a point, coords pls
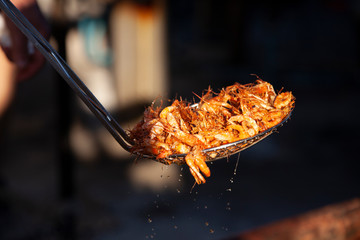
(236, 112)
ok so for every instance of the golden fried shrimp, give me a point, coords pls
(273, 118)
(264, 90)
(217, 107)
(186, 138)
(155, 128)
(236, 118)
(196, 162)
(177, 146)
(167, 115)
(225, 136)
(284, 99)
(237, 112)
(250, 126)
(150, 113)
(181, 148)
(240, 132)
(163, 114)
(160, 149)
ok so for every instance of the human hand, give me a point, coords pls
(28, 61)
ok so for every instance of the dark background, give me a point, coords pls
(307, 47)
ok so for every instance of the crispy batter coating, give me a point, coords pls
(236, 112)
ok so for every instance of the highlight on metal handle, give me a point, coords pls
(66, 72)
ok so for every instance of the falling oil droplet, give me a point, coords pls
(206, 224)
(237, 164)
(150, 220)
(232, 180)
(212, 231)
(205, 207)
(228, 190)
(176, 227)
(178, 191)
(225, 229)
(228, 206)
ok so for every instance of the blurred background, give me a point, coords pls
(62, 176)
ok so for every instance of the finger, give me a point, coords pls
(35, 63)
(7, 51)
(19, 45)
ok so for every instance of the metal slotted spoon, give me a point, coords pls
(225, 150)
(120, 135)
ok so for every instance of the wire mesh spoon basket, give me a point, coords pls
(225, 150)
(120, 135)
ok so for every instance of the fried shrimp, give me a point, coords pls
(236, 112)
